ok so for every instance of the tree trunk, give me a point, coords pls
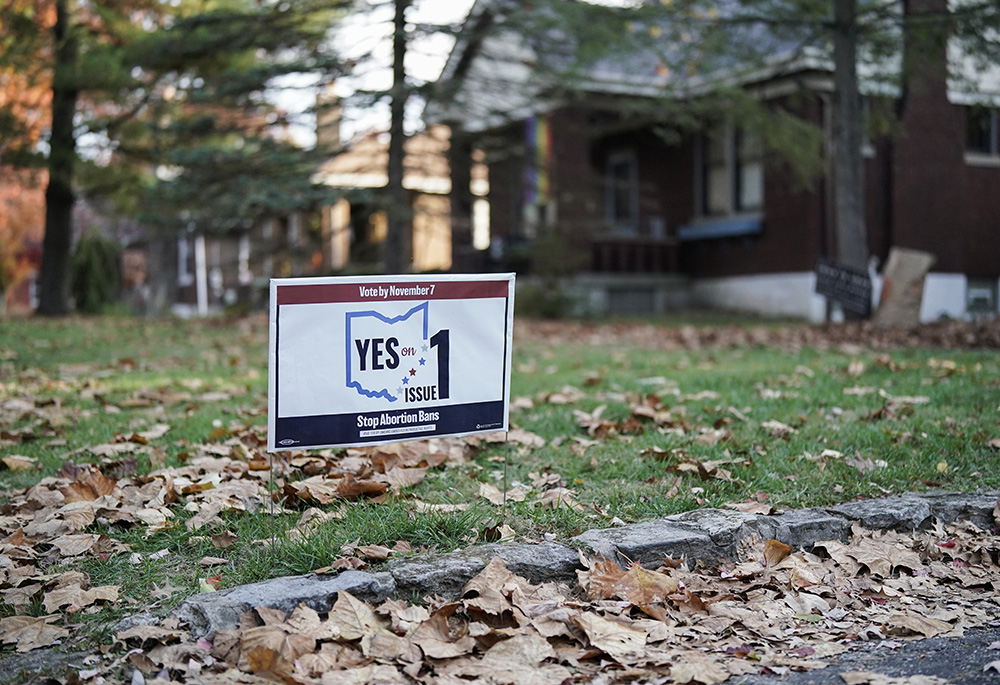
(461, 199)
(53, 296)
(396, 249)
(852, 236)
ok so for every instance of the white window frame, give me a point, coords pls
(734, 169)
(991, 156)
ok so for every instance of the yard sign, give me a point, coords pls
(376, 359)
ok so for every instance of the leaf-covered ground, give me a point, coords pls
(136, 475)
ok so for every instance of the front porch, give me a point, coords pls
(633, 255)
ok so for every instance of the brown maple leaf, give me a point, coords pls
(31, 632)
(486, 590)
(353, 618)
(270, 651)
(775, 552)
(435, 639)
(351, 488)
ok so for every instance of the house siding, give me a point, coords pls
(941, 204)
(918, 187)
(928, 193)
(878, 200)
(982, 222)
(920, 193)
(576, 186)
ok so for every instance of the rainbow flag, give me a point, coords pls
(538, 160)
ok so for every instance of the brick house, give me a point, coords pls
(709, 218)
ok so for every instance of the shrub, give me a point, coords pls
(94, 273)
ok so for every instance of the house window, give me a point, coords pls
(732, 172)
(622, 189)
(749, 172)
(718, 177)
(243, 260)
(480, 223)
(981, 130)
(185, 261)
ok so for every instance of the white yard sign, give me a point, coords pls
(375, 359)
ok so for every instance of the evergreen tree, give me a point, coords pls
(221, 145)
(182, 87)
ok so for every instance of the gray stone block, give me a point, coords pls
(726, 527)
(210, 612)
(903, 513)
(704, 534)
(34, 666)
(709, 534)
(949, 507)
(434, 574)
(804, 527)
(447, 574)
(545, 562)
(143, 618)
(648, 543)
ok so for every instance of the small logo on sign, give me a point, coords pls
(287, 441)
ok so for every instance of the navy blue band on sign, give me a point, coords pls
(380, 426)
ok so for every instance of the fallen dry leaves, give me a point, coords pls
(78, 512)
(772, 610)
(984, 332)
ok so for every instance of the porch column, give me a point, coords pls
(201, 274)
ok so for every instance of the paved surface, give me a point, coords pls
(959, 660)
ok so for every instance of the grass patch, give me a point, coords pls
(858, 423)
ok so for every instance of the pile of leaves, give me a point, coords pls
(770, 611)
(980, 333)
(83, 510)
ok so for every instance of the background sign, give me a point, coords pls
(849, 286)
(378, 359)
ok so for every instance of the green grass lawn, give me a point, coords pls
(632, 431)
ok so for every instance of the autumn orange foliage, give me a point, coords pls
(26, 95)
(22, 225)
(26, 77)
